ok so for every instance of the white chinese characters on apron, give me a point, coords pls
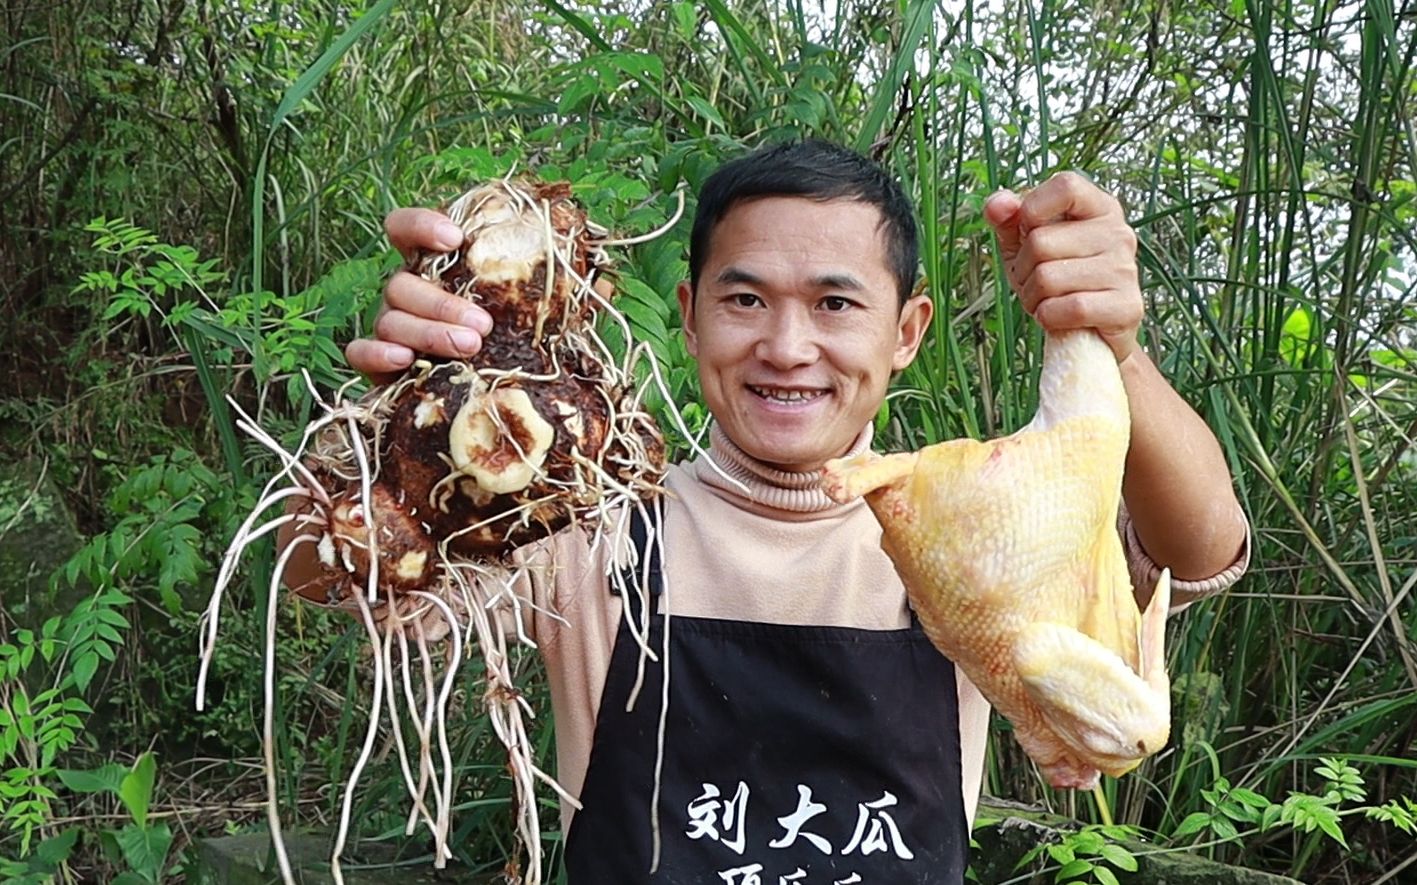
(798, 755)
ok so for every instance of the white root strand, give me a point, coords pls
(394, 621)
(208, 623)
(366, 493)
(422, 725)
(449, 679)
(268, 733)
(655, 840)
(375, 707)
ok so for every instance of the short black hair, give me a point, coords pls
(817, 170)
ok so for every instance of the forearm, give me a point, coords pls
(1177, 486)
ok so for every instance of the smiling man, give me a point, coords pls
(812, 734)
(797, 321)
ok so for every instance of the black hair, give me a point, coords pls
(817, 170)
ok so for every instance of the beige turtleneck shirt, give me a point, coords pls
(745, 542)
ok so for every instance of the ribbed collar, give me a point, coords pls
(767, 487)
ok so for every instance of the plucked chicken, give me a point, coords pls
(1010, 554)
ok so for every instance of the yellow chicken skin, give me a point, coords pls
(1010, 554)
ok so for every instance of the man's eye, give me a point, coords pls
(745, 299)
(835, 303)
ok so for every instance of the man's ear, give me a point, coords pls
(686, 312)
(914, 322)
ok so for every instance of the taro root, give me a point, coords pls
(532, 432)
(418, 491)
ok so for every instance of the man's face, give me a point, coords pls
(797, 328)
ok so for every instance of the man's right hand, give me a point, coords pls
(417, 316)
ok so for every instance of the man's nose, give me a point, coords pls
(789, 340)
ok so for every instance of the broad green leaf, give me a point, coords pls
(686, 19)
(1061, 853)
(1250, 798)
(145, 849)
(104, 779)
(1223, 828)
(1295, 338)
(1119, 857)
(137, 788)
(55, 850)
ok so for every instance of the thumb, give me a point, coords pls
(1001, 210)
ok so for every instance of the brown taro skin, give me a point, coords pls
(406, 553)
(577, 411)
(524, 317)
(493, 498)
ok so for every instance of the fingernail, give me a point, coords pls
(477, 319)
(449, 235)
(465, 340)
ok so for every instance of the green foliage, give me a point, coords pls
(140, 846)
(1092, 854)
(1317, 815)
(283, 334)
(41, 704)
(1230, 808)
(199, 217)
(158, 535)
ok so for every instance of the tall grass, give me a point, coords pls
(1264, 150)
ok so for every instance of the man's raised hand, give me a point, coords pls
(417, 315)
(1071, 258)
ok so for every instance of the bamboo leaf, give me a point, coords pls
(919, 17)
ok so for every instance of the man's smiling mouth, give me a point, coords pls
(785, 394)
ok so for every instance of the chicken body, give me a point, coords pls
(1010, 554)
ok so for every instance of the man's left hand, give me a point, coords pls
(1071, 258)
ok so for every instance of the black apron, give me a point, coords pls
(792, 756)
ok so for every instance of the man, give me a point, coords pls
(811, 733)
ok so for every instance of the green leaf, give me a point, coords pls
(1223, 828)
(1250, 798)
(1087, 842)
(575, 93)
(1073, 869)
(1328, 822)
(1105, 876)
(137, 788)
(705, 110)
(685, 19)
(55, 850)
(1119, 857)
(145, 849)
(1296, 338)
(104, 779)
(918, 19)
(84, 669)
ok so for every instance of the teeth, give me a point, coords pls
(785, 396)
